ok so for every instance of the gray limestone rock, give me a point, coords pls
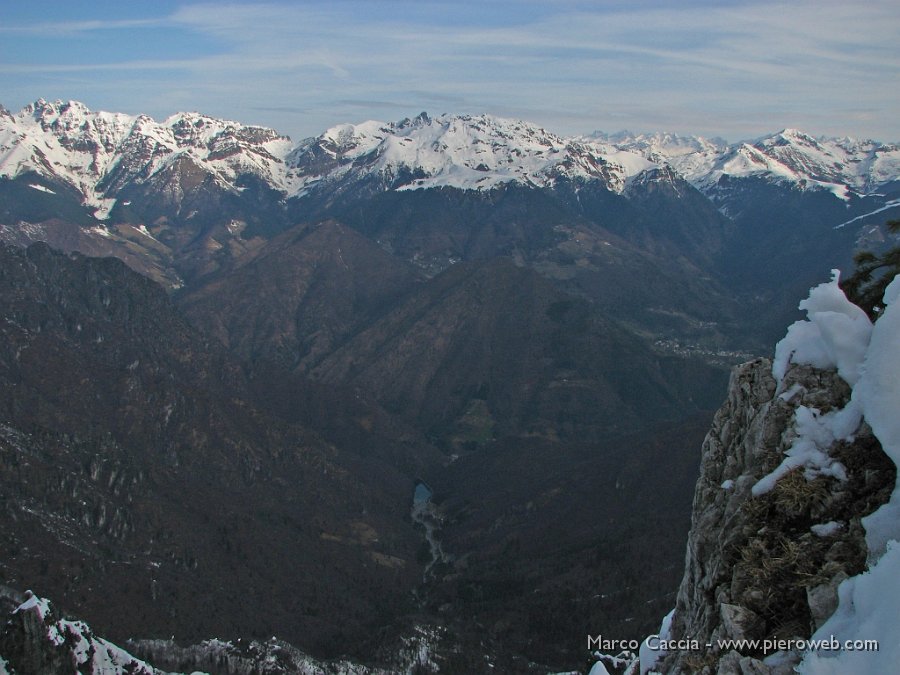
(754, 569)
(740, 623)
(823, 599)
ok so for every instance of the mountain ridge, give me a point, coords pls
(100, 152)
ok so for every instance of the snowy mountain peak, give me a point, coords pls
(197, 130)
(662, 143)
(832, 164)
(99, 152)
(463, 151)
(795, 135)
(691, 156)
(421, 119)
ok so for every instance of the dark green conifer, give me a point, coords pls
(865, 287)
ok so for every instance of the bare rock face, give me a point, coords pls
(756, 567)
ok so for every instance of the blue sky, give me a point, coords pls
(731, 69)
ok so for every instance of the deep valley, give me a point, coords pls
(227, 361)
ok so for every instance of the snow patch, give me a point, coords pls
(144, 231)
(598, 669)
(650, 657)
(887, 206)
(792, 392)
(879, 395)
(103, 207)
(869, 603)
(826, 529)
(815, 434)
(631, 162)
(101, 231)
(835, 334)
(867, 610)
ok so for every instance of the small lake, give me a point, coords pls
(422, 493)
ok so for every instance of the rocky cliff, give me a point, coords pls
(768, 566)
(794, 525)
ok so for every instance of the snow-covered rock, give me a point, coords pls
(37, 640)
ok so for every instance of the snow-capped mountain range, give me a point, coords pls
(99, 153)
(461, 151)
(841, 165)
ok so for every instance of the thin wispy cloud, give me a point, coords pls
(736, 69)
(75, 27)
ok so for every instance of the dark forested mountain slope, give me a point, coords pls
(301, 295)
(141, 471)
(492, 349)
(559, 538)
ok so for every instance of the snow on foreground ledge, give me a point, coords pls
(869, 604)
(837, 334)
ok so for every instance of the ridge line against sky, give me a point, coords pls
(737, 69)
